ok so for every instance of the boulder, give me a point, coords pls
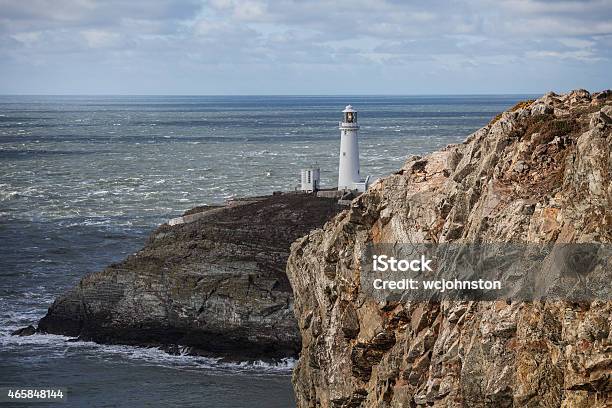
(25, 331)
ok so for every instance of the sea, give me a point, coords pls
(85, 179)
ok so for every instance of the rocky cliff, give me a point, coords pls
(540, 172)
(215, 286)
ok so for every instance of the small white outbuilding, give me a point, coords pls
(311, 179)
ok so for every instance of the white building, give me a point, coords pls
(348, 170)
(311, 179)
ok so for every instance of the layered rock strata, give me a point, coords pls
(214, 286)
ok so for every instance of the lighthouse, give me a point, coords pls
(348, 169)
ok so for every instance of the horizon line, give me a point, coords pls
(280, 94)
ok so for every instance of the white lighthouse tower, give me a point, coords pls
(348, 170)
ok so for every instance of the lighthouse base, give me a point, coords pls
(360, 186)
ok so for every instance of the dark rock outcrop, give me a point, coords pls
(539, 173)
(24, 331)
(216, 286)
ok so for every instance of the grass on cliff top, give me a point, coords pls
(520, 105)
(548, 127)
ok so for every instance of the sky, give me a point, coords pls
(224, 47)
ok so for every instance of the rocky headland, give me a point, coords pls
(215, 285)
(540, 172)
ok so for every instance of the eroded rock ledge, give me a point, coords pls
(215, 286)
(540, 172)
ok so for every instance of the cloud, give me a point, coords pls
(27, 38)
(577, 42)
(100, 38)
(285, 38)
(582, 55)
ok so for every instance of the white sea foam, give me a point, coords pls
(8, 195)
(57, 345)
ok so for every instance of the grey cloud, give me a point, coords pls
(178, 38)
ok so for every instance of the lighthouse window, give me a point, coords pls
(309, 177)
(344, 153)
(349, 117)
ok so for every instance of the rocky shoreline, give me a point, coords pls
(215, 286)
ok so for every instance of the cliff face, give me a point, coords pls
(540, 172)
(216, 286)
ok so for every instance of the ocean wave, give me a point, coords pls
(8, 195)
(58, 345)
(89, 222)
